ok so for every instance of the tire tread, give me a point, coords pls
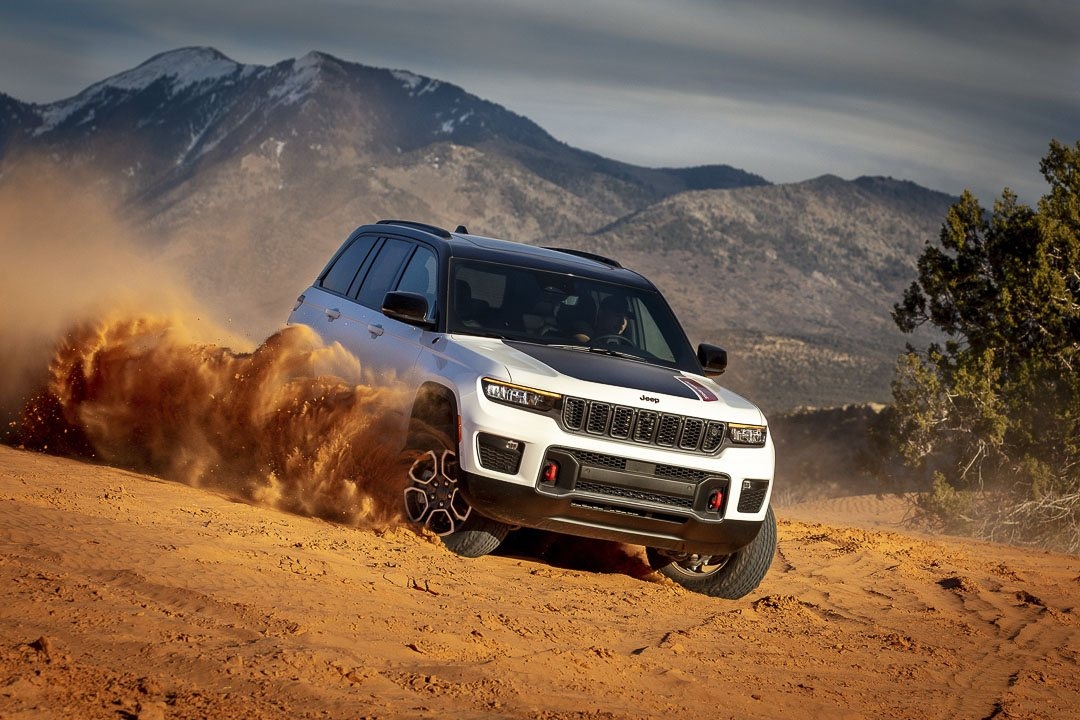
(740, 576)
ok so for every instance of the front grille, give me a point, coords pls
(598, 417)
(643, 427)
(668, 431)
(692, 431)
(631, 494)
(574, 412)
(600, 460)
(622, 422)
(690, 476)
(670, 472)
(614, 462)
(633, 512)
(617, 484)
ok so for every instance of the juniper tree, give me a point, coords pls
(993, 408)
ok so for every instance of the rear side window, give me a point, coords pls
(383, 271)
(341, 274)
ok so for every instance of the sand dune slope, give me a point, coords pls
(124, 596)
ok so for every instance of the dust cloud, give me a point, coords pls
(107, 356)
(66, 258)
(140, 393)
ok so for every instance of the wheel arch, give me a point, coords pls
(434, 409)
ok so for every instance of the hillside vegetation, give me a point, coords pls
(993, 412)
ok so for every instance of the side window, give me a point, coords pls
(339, 277)
(421, 276)
(652, 337)
(383, 271)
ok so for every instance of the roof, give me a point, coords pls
(478, 247)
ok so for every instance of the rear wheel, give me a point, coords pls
(433, 497)
(727, 576)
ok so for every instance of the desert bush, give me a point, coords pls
(992, 410)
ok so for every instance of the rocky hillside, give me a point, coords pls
(247, 177)
(797, 280)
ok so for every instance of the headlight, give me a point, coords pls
(750, 435)
(519, 396)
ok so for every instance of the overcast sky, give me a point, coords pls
(952, 94)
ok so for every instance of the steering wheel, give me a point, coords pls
(613, 339)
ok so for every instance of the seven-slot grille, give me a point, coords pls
(645, 427)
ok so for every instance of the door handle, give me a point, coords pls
(332, 314)
(375, 330)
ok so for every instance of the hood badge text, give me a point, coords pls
(646, 398)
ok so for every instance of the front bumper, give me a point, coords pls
(603, 517)
(607, 488)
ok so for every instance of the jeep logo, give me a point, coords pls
(646, 398)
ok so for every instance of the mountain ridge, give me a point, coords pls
(411, 111)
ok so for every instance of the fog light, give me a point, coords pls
(551, 473)
(499, 453)
(716, 499)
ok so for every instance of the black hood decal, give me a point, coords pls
(608, 370)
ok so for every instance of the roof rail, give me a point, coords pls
(434, 230)
(588, 256)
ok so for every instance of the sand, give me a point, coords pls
(128, 596)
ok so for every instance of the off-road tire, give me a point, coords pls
(433, 498)
(732, 576)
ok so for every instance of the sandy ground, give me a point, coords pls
(125, 596)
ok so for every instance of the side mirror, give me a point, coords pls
(713, 359)
(408, 307)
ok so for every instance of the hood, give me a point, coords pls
(542, 366)
(608, 370)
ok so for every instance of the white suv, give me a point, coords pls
(553, 389)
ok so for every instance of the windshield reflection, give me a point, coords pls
(531, 305)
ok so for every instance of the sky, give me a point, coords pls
(951, 94)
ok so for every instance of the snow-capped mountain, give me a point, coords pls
(176, 73)
(155, 123)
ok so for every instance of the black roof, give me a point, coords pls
(478, 247)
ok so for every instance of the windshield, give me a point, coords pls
(530, 305)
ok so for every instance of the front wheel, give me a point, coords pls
(727, 576)
(433, 498)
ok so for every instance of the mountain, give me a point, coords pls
(14, 117)
(249, 176)
(188, 109)
(796, 280)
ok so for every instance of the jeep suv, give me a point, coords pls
(553, 389)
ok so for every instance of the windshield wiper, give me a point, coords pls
(599, 350)
(614, 353)
(563, 346)
(486, 334)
